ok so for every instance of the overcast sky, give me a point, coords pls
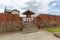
(37, 6)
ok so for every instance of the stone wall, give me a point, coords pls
(10, 26)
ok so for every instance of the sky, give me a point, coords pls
(37, 6)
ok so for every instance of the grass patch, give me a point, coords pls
(56, 29)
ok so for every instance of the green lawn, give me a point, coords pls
(56, 29)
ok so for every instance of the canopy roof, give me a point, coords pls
(28, 12)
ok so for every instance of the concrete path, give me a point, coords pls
(40, 35)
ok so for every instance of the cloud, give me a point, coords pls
(37, 6)
(55, 7)
(54, 4)
(45, 6)
(13, 4)
(55, 11)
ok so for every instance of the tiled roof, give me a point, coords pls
(28, 12)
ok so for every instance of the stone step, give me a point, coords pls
(29, 27)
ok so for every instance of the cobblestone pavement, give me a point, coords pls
(40, 35)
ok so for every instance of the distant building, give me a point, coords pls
(12, 15)
(15, 11)
(7, 11)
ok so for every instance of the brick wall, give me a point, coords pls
(10, 22)
(10, 17)
(46, 17)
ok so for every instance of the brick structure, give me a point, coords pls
(9, 21)
(47, 17)
(9, 17)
